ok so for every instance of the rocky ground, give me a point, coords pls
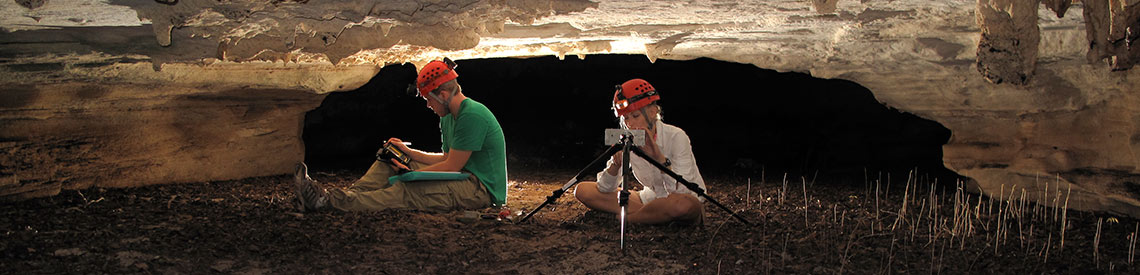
(248, 227)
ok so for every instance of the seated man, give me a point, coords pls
(663, 199)
(473, 142)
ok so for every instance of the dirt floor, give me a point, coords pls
(248, 227)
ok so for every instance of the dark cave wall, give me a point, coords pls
(742, 120)
(348, 127)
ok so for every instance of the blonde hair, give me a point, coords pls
(621, 119)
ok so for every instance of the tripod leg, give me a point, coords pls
(621, 241)
(623, 197)
(577, 179)
(690, 185)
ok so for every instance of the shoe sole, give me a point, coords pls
(300, 177)
(307, 191)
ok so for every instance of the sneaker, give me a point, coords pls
(309, 193)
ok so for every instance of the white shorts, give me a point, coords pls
(646, 196)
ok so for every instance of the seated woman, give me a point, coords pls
(663, 199)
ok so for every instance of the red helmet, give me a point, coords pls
(633, 95)
(435, 73)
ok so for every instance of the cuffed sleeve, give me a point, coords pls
(684, 164)
(608, 183)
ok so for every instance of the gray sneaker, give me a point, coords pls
(309, 193)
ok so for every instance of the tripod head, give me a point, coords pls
(635, 137)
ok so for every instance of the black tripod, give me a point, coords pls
(626, 145)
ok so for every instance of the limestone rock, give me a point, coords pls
(31, 4)
(1113, 29)
(1058, 6)
(137, 92)
(1007, 51)
(824, 6)
(184, 124)
(242, 30)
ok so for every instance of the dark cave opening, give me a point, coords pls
(743, 121)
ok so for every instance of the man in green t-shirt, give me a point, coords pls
(473, 143)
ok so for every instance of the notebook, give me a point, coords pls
(428, 175)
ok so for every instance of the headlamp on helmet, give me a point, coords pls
(433, 74)
(633, 95)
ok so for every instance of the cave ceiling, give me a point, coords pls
(826, 38)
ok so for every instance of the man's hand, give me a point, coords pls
(394, 141)
(399, 144)
(396, 165)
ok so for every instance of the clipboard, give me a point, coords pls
(428, 175)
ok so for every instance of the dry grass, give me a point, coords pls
(956, 230)
(922, 227)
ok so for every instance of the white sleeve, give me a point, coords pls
(683, 163)
(649, 176)
(608, 183)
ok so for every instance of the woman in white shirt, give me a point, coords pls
(663, 199)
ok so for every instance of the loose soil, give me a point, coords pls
(249, 226)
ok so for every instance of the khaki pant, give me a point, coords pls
(373, 193)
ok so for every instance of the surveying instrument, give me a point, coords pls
(628, 141)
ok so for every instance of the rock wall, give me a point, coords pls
(1038, 122)
(1113, 31)
(73, 135)
(1074, 127)
(1042, 139)
(1040, 96)
(184, 124)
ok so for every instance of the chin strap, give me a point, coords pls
(446, 104)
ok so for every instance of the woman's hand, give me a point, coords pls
(650, 148)
(615, 165)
